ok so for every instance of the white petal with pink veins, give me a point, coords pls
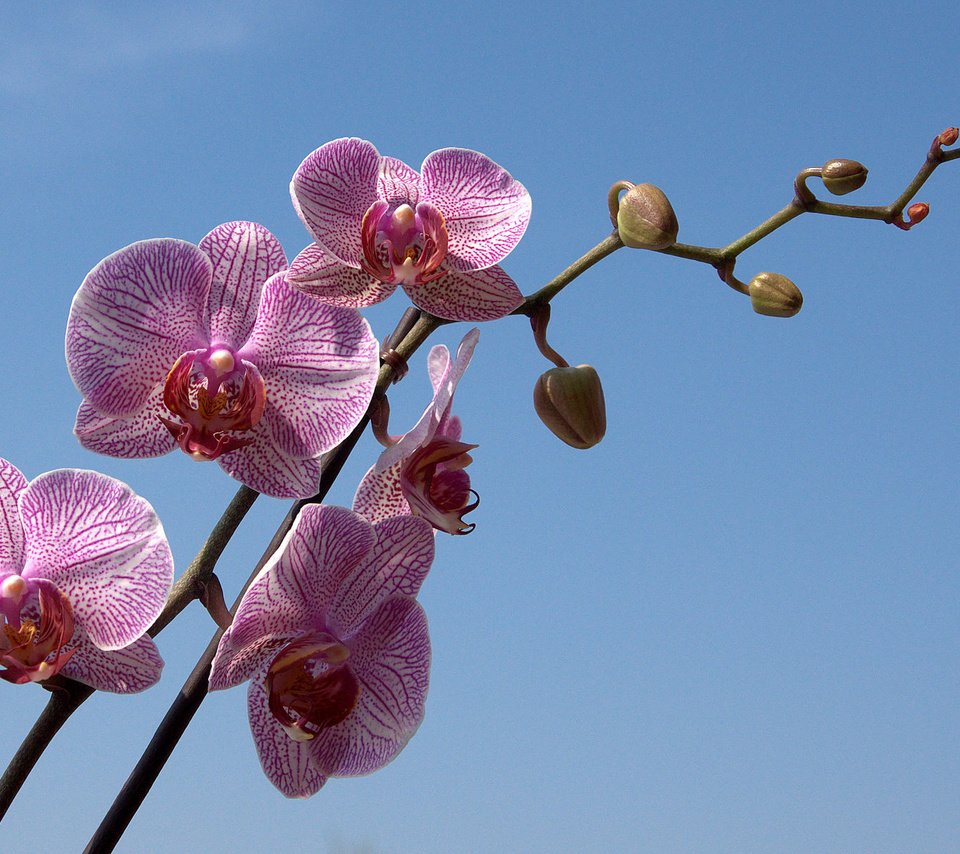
(12, 483)
(318, 274)
(123, 671)
(474, 296)
(136, 437)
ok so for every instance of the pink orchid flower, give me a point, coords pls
(439, 234)
(335, 646)
(84, 570)
(423, 471)
(210, 349)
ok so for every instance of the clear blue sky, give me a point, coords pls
(732, 626)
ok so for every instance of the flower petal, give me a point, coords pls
(378, 495)
(321, 276)
(103, 546)
(474, 297)
(139, 436)
(12, 483)
(123, 671)
(319, 364)
(485, 209)
(331, 191)
(398, 563)
(134, 314)
(288, 764)
(391, 660)
(244, 256)
(397, 183)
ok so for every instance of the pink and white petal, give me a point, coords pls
(319, 275)
(474, 297)
(319, 363)
(438, 363)
(398, 563)
(12, 483)
(134, 314)
(123, 671)
(331, 192)
(138, 436)
(379, 497)
(236, 662)
(291, 593)
(288, 764)
(244, 255)
(103, 546)
(391, 660)
(397, 183)
(486, 210)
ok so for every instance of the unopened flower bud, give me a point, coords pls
(775, 295)
(843, 176)
(645, 218)
(570, 402)
(917, 211)
(949, 136)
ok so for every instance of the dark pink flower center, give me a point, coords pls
(37, 622)
(213, 395)
(436, 486)
(310, 686)
(402, 245)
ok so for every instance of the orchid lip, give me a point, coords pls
(402, 245)
(32, 643)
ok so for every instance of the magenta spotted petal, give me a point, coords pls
(86, 570)
(378, 225)
(209, 349)
(335, 645)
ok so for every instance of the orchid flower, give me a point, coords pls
(439, 234)
(210, 349)
(84, 570)
(422, 472)
(335, 646)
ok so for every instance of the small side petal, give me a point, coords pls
(140, 436)
(319, 275)
(397, 183)
(485, 209)
(12, 483)
(379, 497)
(103, 546)
(391, 660)
(244, 255)
(331, 192)
(134, 314)
(123, 671)
(474, 297)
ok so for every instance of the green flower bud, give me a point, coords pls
(645, 218)
(843, 176)
(775, 295)
(570, 402)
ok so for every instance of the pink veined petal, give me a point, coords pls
(244, 256)
(485, 209)
(136, 437)
(320, 366)
(475, 296)
(234, 664)
(291, 593)
(438, 363)
(397, 183)
(319, 275)
(288, 764)
(12, 483)
(123, 671)
(379, 497)
(398, 563)
(103, 546)
(134, 314)
(331, 192)
(391, 659)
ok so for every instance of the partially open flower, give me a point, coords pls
(843, 176)
(645, 217)
(775, 295)
(570, 402)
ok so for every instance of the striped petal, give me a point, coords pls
(379, 496)
(318, 274)
(123, 671)
(12, 484)
(134, 314)
(397, 183)
(473, 296)
(138, 436)
(485, 209)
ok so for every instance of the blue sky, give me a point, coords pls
(730, 627)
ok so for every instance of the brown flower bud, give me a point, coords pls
(775, 295)
(645, 218)
(570, 402)
(917, 211)
(843, 176)
(949, 136)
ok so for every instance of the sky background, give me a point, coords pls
(730, 627)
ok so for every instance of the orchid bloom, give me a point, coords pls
(335, 646)
(439, 234)
(422, 472)
(210, 349)
(84, 570)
